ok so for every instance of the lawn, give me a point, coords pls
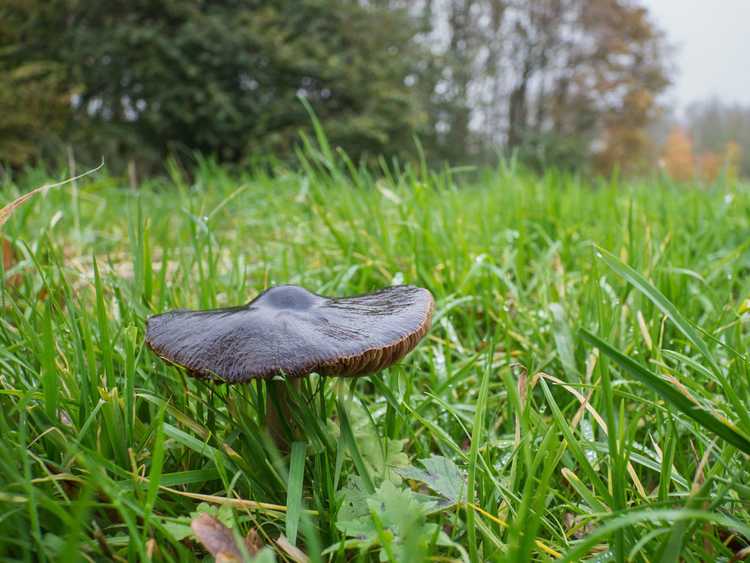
(584, 391)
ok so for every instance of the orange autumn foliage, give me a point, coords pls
(733, 160)
(681, 162)
(677, 155)
(708, 166)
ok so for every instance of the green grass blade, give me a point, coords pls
(294, 490)
(564, 342)
(573, 444)
(615, 456)
(50, 383)
(105, 344)
(351, 444)
(672, 395)
(661, 302)
(157, 465)
(690, 332)
(580, 550)
(476, 439)
(588, 496)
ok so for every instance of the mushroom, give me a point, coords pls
(290, 332)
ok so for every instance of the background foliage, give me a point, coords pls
(562, 82)
(222, 78)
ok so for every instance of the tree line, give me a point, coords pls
(571, 83)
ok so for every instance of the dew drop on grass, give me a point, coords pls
(440, 363)
(588, 434)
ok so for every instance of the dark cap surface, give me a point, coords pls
(289, 330)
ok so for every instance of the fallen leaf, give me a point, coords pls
(219, 540)
(253, 542)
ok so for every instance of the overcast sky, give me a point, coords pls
(712, 47)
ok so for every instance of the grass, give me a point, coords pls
(584, 392)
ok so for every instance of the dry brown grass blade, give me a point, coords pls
(9, 257)
(293, 552)
(9, 260)
(8, 210)
(226, 501)
(585, 404)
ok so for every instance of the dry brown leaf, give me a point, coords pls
(8, 210)
(216, 538)
(219, 540)
(253, 542)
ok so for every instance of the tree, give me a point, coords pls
(732, 161)
(723, 129)
(561, 82)
(630, 73)
(677, 155)
(33, 99)
(570, 79)
(684, 159)
(223, 77)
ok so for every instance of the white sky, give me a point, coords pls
(712, 47)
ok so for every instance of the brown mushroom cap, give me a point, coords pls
(289, 330)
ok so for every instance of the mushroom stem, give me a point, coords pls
(279, 420)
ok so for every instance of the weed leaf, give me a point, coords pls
(441, 475)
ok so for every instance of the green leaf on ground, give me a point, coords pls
(441, 475)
